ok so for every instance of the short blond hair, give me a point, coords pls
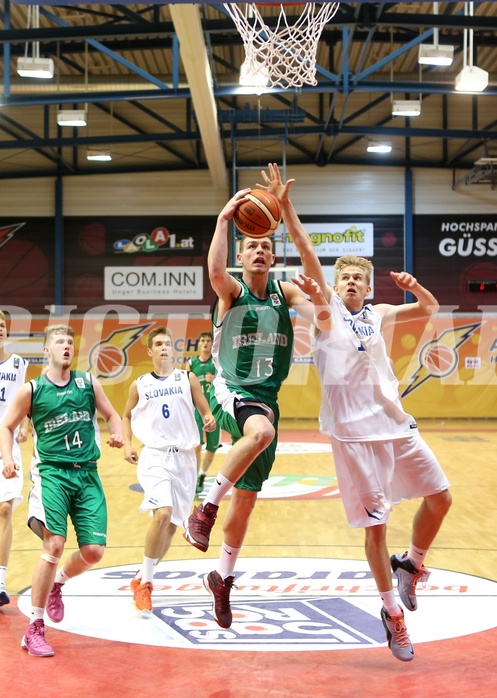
(352, 260)
(56, 329)
(2, 316)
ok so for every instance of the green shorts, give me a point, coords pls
(59, 493)
(258, 472)
(212, 438)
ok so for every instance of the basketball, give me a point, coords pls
(259, 216)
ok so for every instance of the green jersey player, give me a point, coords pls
(63, 406)
(204, 368)
(252, 348)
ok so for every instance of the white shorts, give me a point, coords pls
(168, 479)
(373, 475)
(11, 489)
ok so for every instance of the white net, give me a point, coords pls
(284, 56)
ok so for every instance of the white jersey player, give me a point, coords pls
(160, 412)
(379, 455)
(12, 375)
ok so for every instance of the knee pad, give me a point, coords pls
(50, 558)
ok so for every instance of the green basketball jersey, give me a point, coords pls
(65, 421)
(254, 343)
(200, 368)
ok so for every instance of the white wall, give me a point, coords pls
(345, 190)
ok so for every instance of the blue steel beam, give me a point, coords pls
(112, 54)
(251, 133)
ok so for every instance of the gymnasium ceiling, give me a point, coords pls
(156, 107)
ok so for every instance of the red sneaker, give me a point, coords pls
(199, 525)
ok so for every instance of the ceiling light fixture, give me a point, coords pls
(33, 66)
(98, 155)
(471, 78)
(72, 117)
(434, 54)
(375, 147)
(406, 107)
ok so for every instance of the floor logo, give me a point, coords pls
(279, 605)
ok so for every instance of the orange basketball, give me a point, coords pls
(259, 215)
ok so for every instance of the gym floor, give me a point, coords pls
(293, 524)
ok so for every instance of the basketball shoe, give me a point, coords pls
(134, 584)
(199, 525)
(200, 483)
(143, 597)
(4, 597)
(219, 589)
(55, 605)
(397, 637)
(407, 578)
(34, 640)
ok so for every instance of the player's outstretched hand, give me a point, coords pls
(274, 184)
(229, 210)
(404, 280)
(310, 287)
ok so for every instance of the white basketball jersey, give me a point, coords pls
(12, 376)
(164, 415)
(360, 396)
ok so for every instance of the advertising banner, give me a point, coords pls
(449, 251)
(446, 367)
(379, 238)
(137, 260)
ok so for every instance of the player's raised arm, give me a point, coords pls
(300, 236)
(224, 285)
(425, 305)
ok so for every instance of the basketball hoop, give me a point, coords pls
(285, 56)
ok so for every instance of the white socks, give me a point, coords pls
(417, 556)
(389, 603)
(227, 561)
(218, 489)
(147, 568)
(61, 577)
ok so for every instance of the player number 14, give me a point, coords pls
(76, 441)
